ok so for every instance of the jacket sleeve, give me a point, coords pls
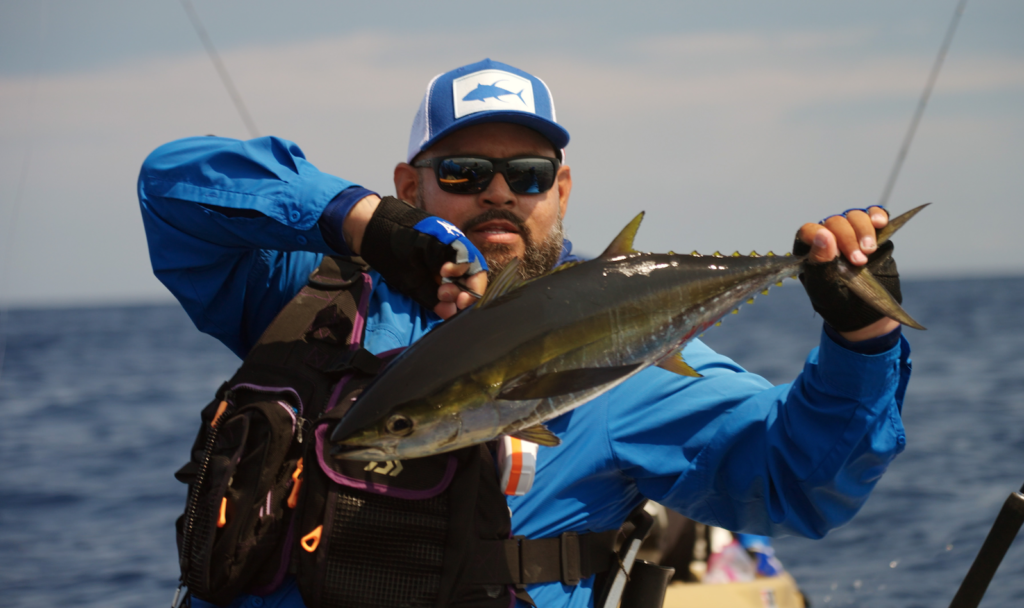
(731, 450)
(232, 228)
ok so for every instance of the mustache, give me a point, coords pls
(498, 214)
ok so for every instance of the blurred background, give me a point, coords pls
(730, 123)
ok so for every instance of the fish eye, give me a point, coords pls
(399, 425)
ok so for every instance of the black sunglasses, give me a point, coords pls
(473, 174)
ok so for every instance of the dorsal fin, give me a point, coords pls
(623, 244)
(507, 280)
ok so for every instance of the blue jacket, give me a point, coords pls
(232, 231)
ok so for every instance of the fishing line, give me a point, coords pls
(22, 181)
(222, 70)
(929, 85)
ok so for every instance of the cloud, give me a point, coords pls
(767, 130)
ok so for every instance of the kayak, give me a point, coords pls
(775, 592)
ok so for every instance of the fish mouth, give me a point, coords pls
(342, 451)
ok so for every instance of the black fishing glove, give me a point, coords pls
(837, 305)
(408, 246)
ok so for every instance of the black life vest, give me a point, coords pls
(266, 498)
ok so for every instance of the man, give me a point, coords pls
(235, 227)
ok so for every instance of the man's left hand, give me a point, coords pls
(451, 298)
(853, 235)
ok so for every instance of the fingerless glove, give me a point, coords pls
(842, 309)
(408, 246)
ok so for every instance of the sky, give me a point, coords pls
(729, 123)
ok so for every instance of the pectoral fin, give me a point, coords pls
(538, 434)
(676, 365)
(531, 386)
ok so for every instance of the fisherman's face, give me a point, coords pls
(501, 223)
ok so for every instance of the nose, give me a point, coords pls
(497, 194)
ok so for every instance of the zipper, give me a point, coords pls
(193, 495)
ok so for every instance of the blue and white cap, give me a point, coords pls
(486, 91)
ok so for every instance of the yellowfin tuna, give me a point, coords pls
(530, 351)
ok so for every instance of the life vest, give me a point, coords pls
(267, 500)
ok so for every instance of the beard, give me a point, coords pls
(539, 257)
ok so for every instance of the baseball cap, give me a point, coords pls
(486, 91)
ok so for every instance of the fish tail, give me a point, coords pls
(866, 286)
(520, 95)
(896, 223)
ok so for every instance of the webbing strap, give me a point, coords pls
(568, 558)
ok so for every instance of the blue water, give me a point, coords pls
(98, 408)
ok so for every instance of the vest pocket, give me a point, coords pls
(241, 515)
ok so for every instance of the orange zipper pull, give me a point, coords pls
(220, 410)
(223, 519)
(312, 540)
(293, 498)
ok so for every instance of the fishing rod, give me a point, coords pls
(8, 248)
(997, 543)
(925, 95)
(1011, 517)
(222, 70)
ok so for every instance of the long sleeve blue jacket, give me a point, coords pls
(232, 232)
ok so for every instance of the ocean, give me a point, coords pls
(99, 406)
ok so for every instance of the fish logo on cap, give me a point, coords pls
(488, 90)
(483, 92)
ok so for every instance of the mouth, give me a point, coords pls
(341, 451)
(496, 231)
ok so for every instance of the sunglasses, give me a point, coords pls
(473, 174)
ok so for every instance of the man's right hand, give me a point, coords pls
(414, 250)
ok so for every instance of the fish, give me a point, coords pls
(529, 351)
(489, 91)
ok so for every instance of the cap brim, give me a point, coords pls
(553, 132)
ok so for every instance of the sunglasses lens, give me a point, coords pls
(464, 175)
(530, 175)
